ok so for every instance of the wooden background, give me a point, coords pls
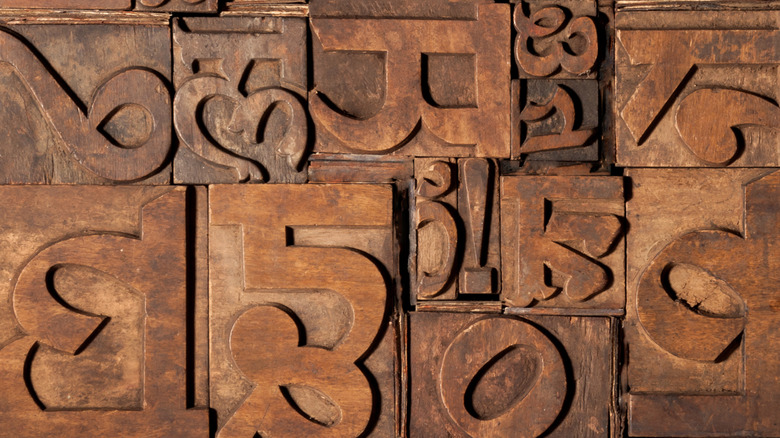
(389, 218)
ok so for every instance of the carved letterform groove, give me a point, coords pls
(549, 43)
(239, 113)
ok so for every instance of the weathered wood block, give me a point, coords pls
(431, 9)
(190, 6)
(477, 375)
(67, 4)
(457, 228)
(562, 242)
(85, 104)
(555, 120)
(338, 168)
(556, 38)
(412, 87)
(301, 338)
(94, 319)
(698, 89)
(238, 109)
(702, 312)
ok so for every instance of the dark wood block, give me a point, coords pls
(477, 375)
(556, 39)
(555, 120)
(702, 310)
(94, 322)
(562, 241)
(238, 109)
(86, 104)
(409, 86)
(301, 338)
(697, 89)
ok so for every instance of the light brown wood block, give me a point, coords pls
(71, 116)
(238, 109)
(697, 89)
(301, 339)
(562, 242)
(412, 87)
(94, 317)
(477, 375)
(702, 310)
(67, 4)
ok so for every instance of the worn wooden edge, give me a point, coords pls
(266, 10)
(66, 16)
(696, 5)
(558, 311)
(459, 306)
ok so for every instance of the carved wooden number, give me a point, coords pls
(94, 321)
(389, 218)
(298, 298)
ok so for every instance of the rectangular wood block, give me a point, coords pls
(477, 375)
(556, 39)
(414, 87)
(456, 235)
(189, 6)
(555, 119)
(94, 321)
(697, 89)
(85, 104)
(67, 4)
(302, 339)
(562, 242)
(238, 111)
(702, 311)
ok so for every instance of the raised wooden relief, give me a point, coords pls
(301, 341)
(555, 119)
(698, 88)
(456, 229)
(485, 375)
(94, 322)
(71, 116)
(702, 314)
(484, 218)
(562, 241)
(239, 110)
(556, 38)
(420, 87)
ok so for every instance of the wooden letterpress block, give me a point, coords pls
(177, 5)
(702, 318)
(562, 242)
(413, 87)
(85, 104)
(336, 168)
(301, 341)
(238, 109)
(456, 228)
(432, 9)
(67, 4)
(698, 88)
(477, 375)
(93, 324)
(556, 38)
(555, 120)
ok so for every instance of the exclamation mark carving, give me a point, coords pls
(476, 208)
